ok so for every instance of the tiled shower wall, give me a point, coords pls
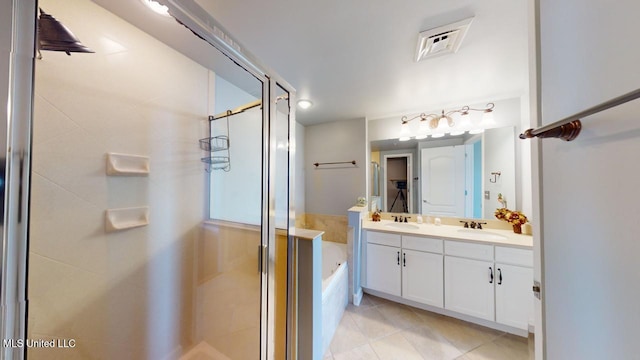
(128, 294)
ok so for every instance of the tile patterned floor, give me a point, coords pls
(385, 330)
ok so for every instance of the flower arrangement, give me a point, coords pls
(511, 216)
(515, 218)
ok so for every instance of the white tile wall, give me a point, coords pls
(127, 294)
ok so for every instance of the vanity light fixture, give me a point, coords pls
(156, 7)
(437, 125)
(304, 104)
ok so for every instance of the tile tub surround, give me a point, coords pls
(381, 329)
(334, 226)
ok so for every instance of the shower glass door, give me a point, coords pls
(160, 202)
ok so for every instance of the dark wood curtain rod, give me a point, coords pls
(569, 128)
(334, 163)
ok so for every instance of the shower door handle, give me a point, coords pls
(259, 258)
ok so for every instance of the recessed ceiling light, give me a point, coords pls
(304, 103)
(157, 7)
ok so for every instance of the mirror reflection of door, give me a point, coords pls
(443, 181)
(397, 183)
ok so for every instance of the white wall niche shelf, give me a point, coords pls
(126, 218)
(127, 165)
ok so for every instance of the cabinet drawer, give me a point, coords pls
(514, 256)
(383, 238)
(422, 244)
(468, 250)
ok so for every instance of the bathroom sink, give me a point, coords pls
(482, 234)
(399, 225)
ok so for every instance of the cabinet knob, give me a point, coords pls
(499, 276)
(404, 259)
(490, 275)
(398, 257)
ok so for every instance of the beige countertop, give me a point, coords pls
(488, 236)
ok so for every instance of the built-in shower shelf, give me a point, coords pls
(127, 165)
(126, 218)
(215, 143)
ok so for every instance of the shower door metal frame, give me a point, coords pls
(15, 129)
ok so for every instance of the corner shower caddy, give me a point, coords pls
(220, 144)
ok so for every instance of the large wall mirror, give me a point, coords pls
(458, 176)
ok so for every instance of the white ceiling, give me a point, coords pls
(355, 58)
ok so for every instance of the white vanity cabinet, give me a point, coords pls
(469, 279)
(487, 287)
(514, 275)
(383, 262)
(460, 278)
(403, 266)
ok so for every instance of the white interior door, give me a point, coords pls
(589, 186)
(442, 181)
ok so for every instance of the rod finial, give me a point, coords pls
(566, 132)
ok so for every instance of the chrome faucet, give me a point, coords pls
(473, 224)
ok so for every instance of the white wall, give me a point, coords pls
(589, 186)
(127, 294)
(331, 190)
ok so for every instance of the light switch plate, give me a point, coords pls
(487, 195)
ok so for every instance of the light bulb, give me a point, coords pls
(304, 104)
(423, 130)
(465, 121)
(404, 132)
(487, 118)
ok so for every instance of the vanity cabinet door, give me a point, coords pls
(383, 268)
(514, 299)
(422, 277)
(468, 287)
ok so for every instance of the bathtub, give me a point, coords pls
(335, 288)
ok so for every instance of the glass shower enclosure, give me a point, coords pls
(160, 192)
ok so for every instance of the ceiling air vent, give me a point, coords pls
(442, 40)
